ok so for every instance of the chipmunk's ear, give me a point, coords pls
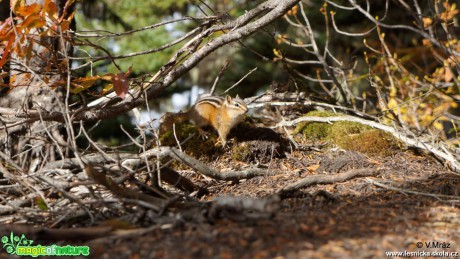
(228, 99)
(237, 96)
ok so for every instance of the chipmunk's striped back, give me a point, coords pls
(215, 101)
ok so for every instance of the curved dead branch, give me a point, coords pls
(192, 162)
(440, 151)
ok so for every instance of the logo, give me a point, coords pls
(22, 246)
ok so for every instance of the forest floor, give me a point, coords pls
(416, 208)
(411, 205)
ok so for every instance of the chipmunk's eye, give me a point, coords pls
(237, 104)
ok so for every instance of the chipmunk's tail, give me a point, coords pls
(169, 118)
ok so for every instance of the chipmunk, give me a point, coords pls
(221, 113)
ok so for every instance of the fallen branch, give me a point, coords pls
(181, 157)
(327, 179)
(101, 178)
(161, 152)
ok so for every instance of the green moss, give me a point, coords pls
(315, 130)
(373, 142)
(241, 152)
(182, 130)
(340, 132)
(349, 135)
(358, 137)
(197, 146)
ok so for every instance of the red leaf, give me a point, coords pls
(121, 83)
(6, 52)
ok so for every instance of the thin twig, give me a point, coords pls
(239, 81)
(221, 72)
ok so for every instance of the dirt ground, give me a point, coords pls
(352, 219)
(411, 205)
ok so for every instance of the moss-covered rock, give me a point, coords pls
(373, 142)
(340, 132)
(315, 130)
(349, 135)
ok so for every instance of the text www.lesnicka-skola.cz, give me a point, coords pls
(422, 254)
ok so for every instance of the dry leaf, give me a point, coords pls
(121, 83)
(313, 168)
(427, 22)
(448, 75)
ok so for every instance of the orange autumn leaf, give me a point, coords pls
(33, 21)
(27, 10)
(83, 83)
(450, 13)
(15, 4)
(5, 27)
(427, 22)
(51, 9)
(426, 42)
(65, 23)
(313, 168)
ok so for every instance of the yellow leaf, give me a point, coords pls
(437, 125)
(86, 81)
(83, 83)
(392, 103)
(106, 89)
(448, 75)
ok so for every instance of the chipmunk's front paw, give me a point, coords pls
(203, 134)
